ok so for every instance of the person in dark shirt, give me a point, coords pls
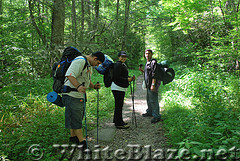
(152, 86)
(119, 86)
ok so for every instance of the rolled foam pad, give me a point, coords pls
(55, 98)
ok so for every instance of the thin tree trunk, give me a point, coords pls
(97, 14)
(117, 11)
(1, 8)
(82, 20)
(1, 12)
(74, 22)
(223, 15)
(127, 7)
(89, 15)
(41, 35)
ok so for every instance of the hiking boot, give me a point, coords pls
(124, 123)
(155, 120)
(73, 140)
(146, 115)
(84, 143)
(84, 147)
(122, 127)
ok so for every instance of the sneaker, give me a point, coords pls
(155, 120)
(146, 115)
(122, 127)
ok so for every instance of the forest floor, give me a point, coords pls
(144, 142)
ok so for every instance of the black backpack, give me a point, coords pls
(60, 68)
(164, 73)
(108, 76)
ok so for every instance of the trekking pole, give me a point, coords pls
(85, 115)
(133, 113)
(133, 102)
(97, 111)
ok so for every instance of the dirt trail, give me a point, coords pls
(149, 137)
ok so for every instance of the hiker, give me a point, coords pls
(80, 78)
(152, 87)
(119, 85)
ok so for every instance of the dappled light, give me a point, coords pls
(195, 44)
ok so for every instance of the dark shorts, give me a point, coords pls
(74, 112)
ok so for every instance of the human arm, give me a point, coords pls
(96, 86)
(131, 78)
(154, 73)
(153, 86)
(80, 88)
(140, 68)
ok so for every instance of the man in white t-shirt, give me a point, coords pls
(79, 77)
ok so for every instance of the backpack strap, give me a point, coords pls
(153, 64)
(86, 63)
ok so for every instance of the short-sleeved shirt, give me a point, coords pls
(76, 70)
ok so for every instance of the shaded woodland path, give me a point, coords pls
(122, 144)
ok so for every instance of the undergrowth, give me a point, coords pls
(201, 111)
(27, 119)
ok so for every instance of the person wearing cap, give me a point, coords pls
(152, 87)
(119, 86)
(80, 78)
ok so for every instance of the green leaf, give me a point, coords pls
(195, 143)
(217, 133)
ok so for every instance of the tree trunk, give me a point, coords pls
(127, 7)
(82, 21)
(97, 14)
(58, 20)
(74, 23)
(88, 10)
(1, 27)
(1, 8)
(117, 11)
(41, 35)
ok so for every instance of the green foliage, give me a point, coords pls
(196, 32)
(201, 111)
(202, 107)
(27, 118)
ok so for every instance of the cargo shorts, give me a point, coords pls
(74, 112)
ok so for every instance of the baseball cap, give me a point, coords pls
(122, 53)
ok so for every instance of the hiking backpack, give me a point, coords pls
(164, 73)
(106, 69)
(108, 76)
(60, 68)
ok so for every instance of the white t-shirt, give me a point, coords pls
(76, 70)
(115, 87)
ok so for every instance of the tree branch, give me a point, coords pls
(35, 24)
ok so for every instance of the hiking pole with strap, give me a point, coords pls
(97, 111)
(85, 115)
(134, 119)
